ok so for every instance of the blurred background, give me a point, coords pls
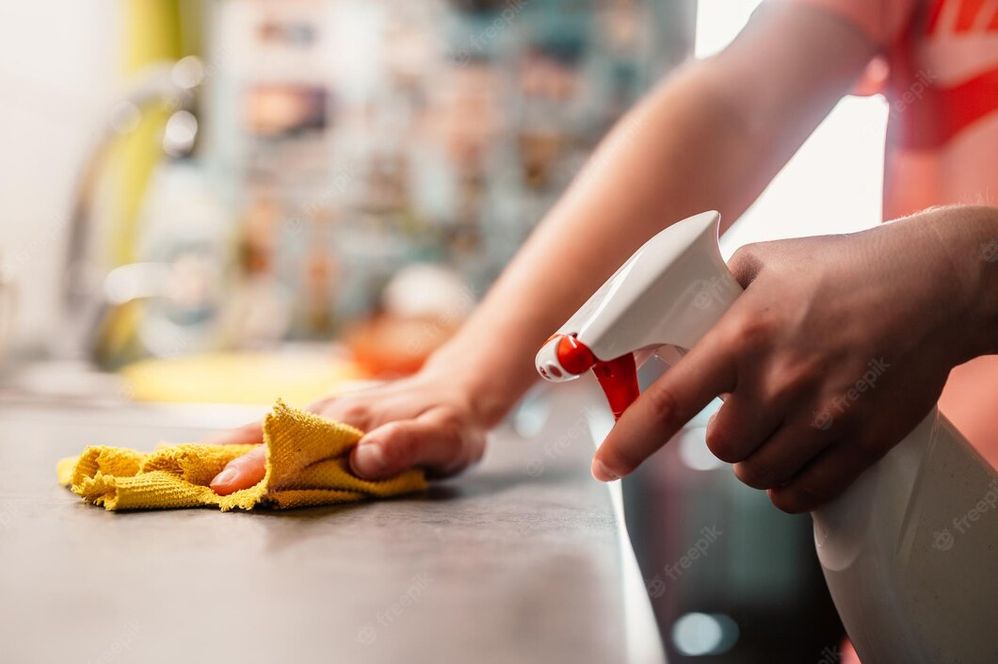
(230, 200)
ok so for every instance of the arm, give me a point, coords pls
(711, 136)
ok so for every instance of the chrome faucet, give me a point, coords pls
(172, 85)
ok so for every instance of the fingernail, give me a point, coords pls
(602, 472)
(369, 458)
(224, 477)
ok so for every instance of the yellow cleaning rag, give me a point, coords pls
(307, 464)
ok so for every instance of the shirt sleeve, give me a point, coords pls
(880, 20)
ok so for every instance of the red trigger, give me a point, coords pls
(617, 377)
(619, 380)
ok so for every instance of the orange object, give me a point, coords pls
(390, 346)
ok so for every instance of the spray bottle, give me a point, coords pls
(909, 550)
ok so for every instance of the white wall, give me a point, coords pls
(58, 67)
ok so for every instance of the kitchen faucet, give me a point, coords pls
(171, 85)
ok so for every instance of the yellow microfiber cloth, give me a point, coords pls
(307, 464)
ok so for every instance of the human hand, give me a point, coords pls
(428, 420)
(839, 346)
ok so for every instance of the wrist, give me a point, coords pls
(482, 380)
(972, 234)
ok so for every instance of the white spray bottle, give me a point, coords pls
(909, 551)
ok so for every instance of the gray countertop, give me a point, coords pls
(521, 560)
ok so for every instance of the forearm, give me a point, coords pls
(642, 177)
(711, 137)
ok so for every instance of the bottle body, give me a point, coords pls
(910, 552)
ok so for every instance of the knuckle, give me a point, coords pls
(450, 421)
(742, 254)
(751, 332)
(793, 378)
(399, 445)
(744, 263)
(664, 406)
(722, 445)
(448, 426)
(827, 415)
(451, 443)
(782, 392)
(794, 500)
(351, 412)
(754, 475)
(465, 449)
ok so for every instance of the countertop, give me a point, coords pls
(523, 559)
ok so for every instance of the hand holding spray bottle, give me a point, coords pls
(913, 575)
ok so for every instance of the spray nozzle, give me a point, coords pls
(565, 358)
(669, 293)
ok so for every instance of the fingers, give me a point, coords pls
(249, 434)
(782, 456)
(740, 426)
(746, 263)
(823, 479)
(363, 411)
(684, 390)
(241, 473)
(435, 440)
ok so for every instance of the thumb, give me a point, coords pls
(241, 473)
(432, 441)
